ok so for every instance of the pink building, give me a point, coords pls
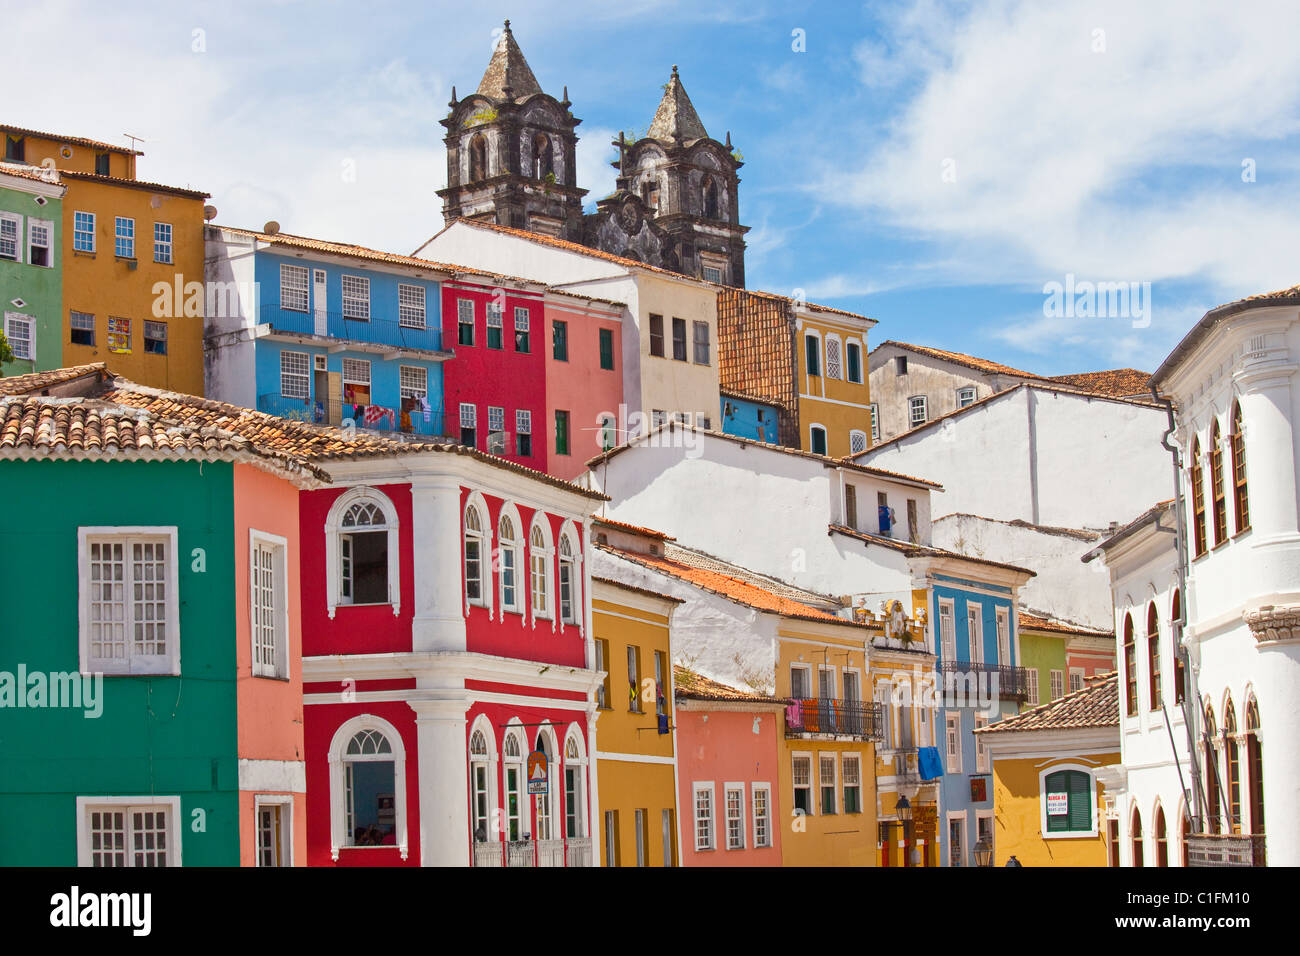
(727, 773)
(584, 379)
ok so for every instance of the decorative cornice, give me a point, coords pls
(1274, 624)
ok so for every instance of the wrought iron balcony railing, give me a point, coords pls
(337, 412)
(376, 330)
(840, 718)
(1211, 849)
(1013, 682)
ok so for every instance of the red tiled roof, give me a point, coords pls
(960, 358)
(756, 352)
(134, 184)
(635, 529)
(38, 173)
(1034, 622)
(22, 384)
(1118, 383)
(689, 685)
(71, 140)
(1096, 704)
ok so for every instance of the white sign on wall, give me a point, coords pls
(1058, 804)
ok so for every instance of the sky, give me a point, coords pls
(936, 166)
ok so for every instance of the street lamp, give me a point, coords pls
(984, 852)
(903, 809)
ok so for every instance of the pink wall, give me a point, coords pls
(270, 710)
(721, 746)
(580, 386)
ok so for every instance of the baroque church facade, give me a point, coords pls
(511, 160)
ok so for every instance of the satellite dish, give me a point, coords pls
(209, 213)
(271, 228)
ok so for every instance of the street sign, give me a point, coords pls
(538, 778)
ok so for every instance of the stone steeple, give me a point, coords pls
(508, 76)
(675, 119)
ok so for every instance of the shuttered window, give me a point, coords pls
(1076, 786)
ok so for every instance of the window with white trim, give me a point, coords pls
(495, 321)
(11, 236)
(833, 363)
(508, 545)
(410, 306)
(735, 807)
(918, 410)
(295, 374)
(83, 232)
(1068, 802)
(124, 237)
(481, 787)
(874, 409)
(568, 579)
(851, 771)
(523, 432)
(469, 424)
(1058, 684)
(762, 800)
(370, 789)
(981, 754)
(363, 553)
(853, 370)
(703, 801)
(356, 297)
(40, 244)
(952, 740)
(975, 632)
(701, 342)
(521, 329)
(1004, 636)
(826, 780)
(801, 776)
(965, 396)
(474, 538)
(162, 242)
(413, 381)
(130, 619)
(1032, 698)
(857, 441)
(1076, 679)
(128, 831)
(274, 828)
(20, 330)
(947, 632)
(293, 287)
(356, 372)
(539, 563)
(82, 325)
(269, 605)
(496, 430)
(465, 321)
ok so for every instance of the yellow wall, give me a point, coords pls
(838, 405)
(885, 665)
(622, 618)
(841, 839)
(1017, 820)
(104, 285)
(666, 383)
(38, 149)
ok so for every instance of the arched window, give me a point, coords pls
(477, 157)
(1180, 667)
(1216, 484)
(513, 766)
(1184, 833)
(1153, 656)
(1198, 500)
(1255, 767)
(1240, 499)
(482, 782)
(1069, 802)
(1232, 762)
(361, 550)
(575, 795)
(542, 802)
(475, 592)
(367, 785)
(710, 198)
(508, 550)
(1130, 668)
(1212, 802)
(539, 565)
(817, 439)
(834, 362)
(1162, 838)
(1135, 834)
(568, 582)
(543, 162)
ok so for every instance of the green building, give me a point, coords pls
(31, 273)
(1060, 655)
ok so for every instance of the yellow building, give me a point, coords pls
(1047, 797)
(68, 152)
(635, 763)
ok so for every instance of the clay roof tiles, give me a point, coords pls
(71, 140)
(1118, 382)
(1096, 704)
(134, 184)
(690, 685)
(960, 358)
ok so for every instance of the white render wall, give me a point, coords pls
(1046, 457)
(229, 373)
(1064, 587)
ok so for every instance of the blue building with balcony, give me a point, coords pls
(746, 417)
(324, 332)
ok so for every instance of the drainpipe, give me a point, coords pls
(1191, 693)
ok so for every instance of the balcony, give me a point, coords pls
(336, 413)
(373, 334)
(837, 718)
(1208, 849)
(1013, 682)
(573, 851)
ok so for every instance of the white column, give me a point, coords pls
(438, 622)
(1278, 693)
(594, 826)
(444, 779)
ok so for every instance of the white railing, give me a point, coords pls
(579, 851)
(550, 853)
(521, 853)
(487, 854)
(575, 851)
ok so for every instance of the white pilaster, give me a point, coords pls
(438, 623)
(440, 730)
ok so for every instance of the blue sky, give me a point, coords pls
(930, 164)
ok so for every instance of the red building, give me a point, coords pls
(494, 390)
(433, 673)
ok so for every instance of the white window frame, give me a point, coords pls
(975, 632)
(33, 225)
(947, 637)
(465, 311)
(338, 782)
(294, 375)
(162, 247)
(1074, 672)
(981, 754)
(126, 236)
(813, 795)
(577, 763)
(516, 551)
(823, 755)
(406, 390)
(13, 320)
(874, 410)
(333, 549)
(834, 358)
(696, 344)
(79, 234)
(285, 802)
(278, 547)
(165, 664)
(356, 304)
(727, 790)
(763, 836)
(17, 221)
(912, 408)
(1032, 700)
(571, 561)
(496, 436)
(710, 841)
(1003, 617)
(962, 395)
(951, 737)
(845, 759)
(1057, 683)
(412, 306)
(87, 805)
(356, 365)
(1091, 832)
(484, 538)
(848, 344)
(540, 564)
(289, 284)
(826, 438)
(960, 817)
(857, 441)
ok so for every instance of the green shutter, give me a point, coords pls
(1080, 801)
(606, 349)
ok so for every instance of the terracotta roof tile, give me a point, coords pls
(689, 685)
(1096, 704)
(632, 587)
(1118, 383)
(134, 184)
(71, 140)
(22, 384)
(40, 174)
(1034, 622)
(756, 353)
(960, 358)
(635, 529)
